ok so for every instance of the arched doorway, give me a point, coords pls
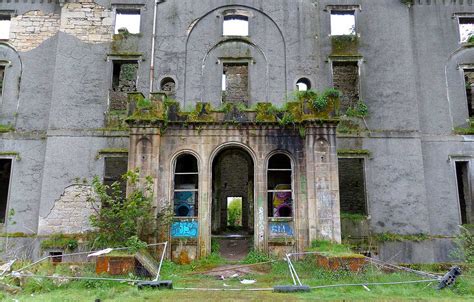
(232, 209)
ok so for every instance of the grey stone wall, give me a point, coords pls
(57, 81)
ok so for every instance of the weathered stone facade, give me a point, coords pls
(71, 212)
(31, 29)
(87, 21)
(58, 123)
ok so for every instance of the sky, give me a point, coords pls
(4, 29)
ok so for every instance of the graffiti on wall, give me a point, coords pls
(184, 229)
(280, 229)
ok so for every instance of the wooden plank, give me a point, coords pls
(148, 262)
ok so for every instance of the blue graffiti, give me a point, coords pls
(184, 229)
(279, 228)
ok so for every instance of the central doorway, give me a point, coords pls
(233, 203)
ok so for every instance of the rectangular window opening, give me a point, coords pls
(346, 80)
(5, 175)
(236, 25)
(465, 200)
(56, 257)
(235, 83)
(5, 21)
(466, 28)
(124, 80)
(353, 199)
(115, 167)
(469, 84)
(127, 19)
(2, 77)
(342, 22)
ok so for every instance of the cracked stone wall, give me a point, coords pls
(70, 214)
(28, 31)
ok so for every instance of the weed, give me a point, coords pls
(255, 256)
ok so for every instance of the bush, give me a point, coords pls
(464, 246)
(122, 221)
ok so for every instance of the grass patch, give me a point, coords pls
(353, 216)
(329, 248)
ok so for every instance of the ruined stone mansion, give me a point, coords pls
(186, 91)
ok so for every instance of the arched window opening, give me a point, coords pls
(186, 179)
(303, 84)
(279, 186)
(168, 85)
(236, 25)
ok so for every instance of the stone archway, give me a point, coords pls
(233, 181)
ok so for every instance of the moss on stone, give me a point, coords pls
(353, 216)
(60, 241)
(387, 237)
(6, 128)
(345, 45)
(353, 152)
(464, 131)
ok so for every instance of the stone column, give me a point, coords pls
(323, 183)
(144, 154)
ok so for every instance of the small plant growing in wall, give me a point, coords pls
(360, 109)
(122, 221)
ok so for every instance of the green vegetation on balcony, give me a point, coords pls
(345, 45)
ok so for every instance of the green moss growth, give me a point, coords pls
(346, 126)
(408, 3)
(387, 237)
(353, 152)
(11, 153)
(346, 45)
(201, 113)
(331, 249)
(266, 112)
(113, 151)
(359, 109)
(6, 128)
(17, 235)
(464, 131)
(353, 216)
(60, 241)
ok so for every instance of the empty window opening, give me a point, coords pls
(168, 85)
(224, 81)
(466, 28)
(342, 22)
(5, 21)
(234, 212)
(346, 80)
(2, 76)
(235, 83)
(236, 25)
(186, 178)
(303, 84)
(5, 174)
(124, 80)
(127, 19)
(56, 257)
(465, 201)
(115, 168)
(352, 186)
(469, 84)
(279, 186)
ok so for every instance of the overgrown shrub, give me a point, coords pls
(122, 221)
(464, 245)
